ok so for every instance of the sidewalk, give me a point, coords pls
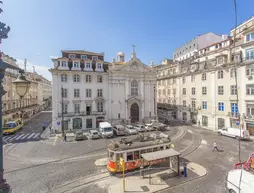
(159, 181)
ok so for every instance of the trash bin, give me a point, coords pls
(185, 169)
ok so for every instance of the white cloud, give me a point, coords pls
(42, 70)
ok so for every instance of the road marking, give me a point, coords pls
(204, 142)
(189, 131)
(30, 136)
(25, 136)
(36, 135)
(13, 137)
(19, 136)
(55, 140)
(6, 138)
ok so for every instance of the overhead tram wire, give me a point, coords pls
(237, 97)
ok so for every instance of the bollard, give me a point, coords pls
(185, 171)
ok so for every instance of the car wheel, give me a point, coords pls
(232, 191)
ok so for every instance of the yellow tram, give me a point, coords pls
(131, 150)
(11, 127)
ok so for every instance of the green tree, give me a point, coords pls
(4, 29)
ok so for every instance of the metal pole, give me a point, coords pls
(154, 103)
(4, 187)
(62, 125)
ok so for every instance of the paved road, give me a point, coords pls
(31, 130)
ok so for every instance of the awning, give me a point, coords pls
(159, 154)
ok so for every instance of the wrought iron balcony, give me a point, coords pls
(98, 113)
(71, 114)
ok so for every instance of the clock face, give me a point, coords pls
(192, 68)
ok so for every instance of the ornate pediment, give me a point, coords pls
(99, 99)
(132, 98)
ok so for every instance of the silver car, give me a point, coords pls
(130, 130)
(140, 128)
(94, 134)
(79, 135)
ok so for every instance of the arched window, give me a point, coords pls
(134, 87)
(63, 77)
(76, 78)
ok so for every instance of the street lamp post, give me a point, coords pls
(62, 124)
(22, 86)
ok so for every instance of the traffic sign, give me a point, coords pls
(58, 123)
(237, 123)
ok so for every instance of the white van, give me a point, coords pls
(234, 132)
(105, 129)
(247, 181)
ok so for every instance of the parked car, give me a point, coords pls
(94, 134)
(130, 129)
(233, 179)
(119, 130)
(149, 127)
(140, 128)
(79, 135)
(106, 130)
(234, 132)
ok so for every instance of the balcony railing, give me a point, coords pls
(231, 114)
(249, 117)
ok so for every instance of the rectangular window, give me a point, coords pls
(234, 109)
(88, 93)
(174, 91)
(204, 90)
(220, 74)
(193, 91)
(249, 54)
(250, 110)
(75, 64)
(83, 57)
(193, 104)
(220, 90)
(65, 108)
(192, 78)
(99, 92)
(184, 91)
(164, 92)
(94, 57)
(204, 121)
(63, 78)
(168, 91)
(77, 108)
(174, 80)
(204, 105)
(232, 73)
(88, 65)
(63, 63)
(88, 78)
(184, 103)
(221, 123)
(72, 56)
(233, 90)
(76, 93)
(220, 106)
(249, 89)
(89, 123)
(99, 66)
(65, 93)
(250, 37)
(76, 78)
(204, 76)
(100, 107)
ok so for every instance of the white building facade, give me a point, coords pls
(94, 90)
(205, 86)
(132, 94)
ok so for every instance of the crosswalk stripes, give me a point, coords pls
(23, 136)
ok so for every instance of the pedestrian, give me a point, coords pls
(215, 146)
(199, 123)
(65, 137)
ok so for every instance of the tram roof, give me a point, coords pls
(118, 146)
(160, 154)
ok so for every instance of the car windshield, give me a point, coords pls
(130, 128)
(95, 133)
(107, 129)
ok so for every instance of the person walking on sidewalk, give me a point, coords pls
(65, 137)
(215, 146)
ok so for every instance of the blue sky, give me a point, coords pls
(41, 28)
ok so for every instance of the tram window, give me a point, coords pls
(155, 149)
(149, 150)
(143, 151)
(136, 155)
(161, 148)
(129, 156)
(118, 156)
(111, 155)
(167, 146)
